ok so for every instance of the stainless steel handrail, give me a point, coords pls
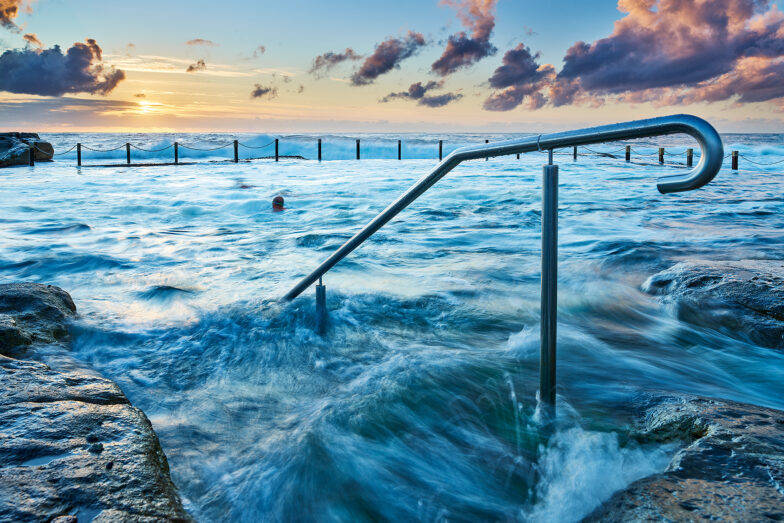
(707, 168)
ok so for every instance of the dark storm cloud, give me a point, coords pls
(462, 49)
(49, 72)
(387, 56)
(261, 91)
(323, 63)
(199, 65)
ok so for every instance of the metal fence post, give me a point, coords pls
(549, 285)
(128, 153)
(236, 151)
(319, 149)
(689, 157)
(661, 154)
(734, 160)
(440, 150)
(79, 154)
(399, 150)
(276, 150)
(321, 308)
(176, 153)
(628, 153)
(574, 153)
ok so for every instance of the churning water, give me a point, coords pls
(420, 402)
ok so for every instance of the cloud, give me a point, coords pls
(676, 51)
(260, 91)
(666, 52)
(9, 9)
(199, 65)
(260, 50)
(417, 91)
(439, 100)
(49, 72)
(387, 56)
(519, 76)
(323, 63)
(33, 40)
(463, 50)
(201, 41)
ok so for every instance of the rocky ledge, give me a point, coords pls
(731, 469)
(743, 298)
(15, 149)
(72, 447)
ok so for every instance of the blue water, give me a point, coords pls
(419, 404)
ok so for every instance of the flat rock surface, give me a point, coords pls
(743, 298)
(731, 469)
(70, 443)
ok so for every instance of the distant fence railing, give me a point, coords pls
(629, 153)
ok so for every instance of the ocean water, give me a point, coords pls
(420, 402)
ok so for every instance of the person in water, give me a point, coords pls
(277, 203)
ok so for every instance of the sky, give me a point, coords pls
(403, 66)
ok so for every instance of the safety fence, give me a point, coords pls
(628, 152)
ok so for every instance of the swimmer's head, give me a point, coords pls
(277, 202)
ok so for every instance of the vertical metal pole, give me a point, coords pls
(31, 153)
(689, 157)
(549, 290)
(321, 308)
(661, 154)
(734, 160)
(574, 153)
(79, 154)
(236, 151)
(176, 153)
(486, 158)
(628, 153)
(399, 150)
(276, 150)
(319, 149)
(357, 149)
(518, 156)
(440, 150)
(128, 153)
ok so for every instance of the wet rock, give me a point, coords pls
(32, 312)
(15, 149)
(744, 298)
(731, 469)
(72, 447)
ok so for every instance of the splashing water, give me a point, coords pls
(420, 401)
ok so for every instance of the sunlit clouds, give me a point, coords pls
(436, 63)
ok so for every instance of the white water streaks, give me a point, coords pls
(419, 403)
